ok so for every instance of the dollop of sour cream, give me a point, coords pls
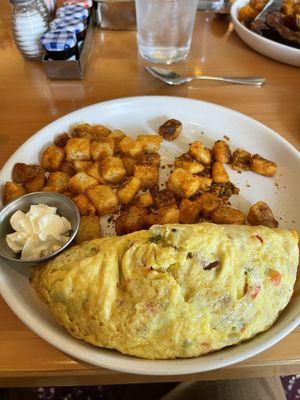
(38, 233)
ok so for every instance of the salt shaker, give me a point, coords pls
(44, 9)
(28, 26)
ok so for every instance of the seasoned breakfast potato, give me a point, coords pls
(208, 202)
(89, 229)
(247, 13)
(189, 211)
(24, 172)
(149, 159)
(102, 149)
(100, 131)
(200, 152)
(112, 169)
(224, 190)
(104, 199)
(241, 160)
(35, 184)
(129, 189)
(52, 158)
(84, 205)
(68, 194)
(68, 168)
(129, 163)
(204, 183)
(61, 140)
(192, 166)
(80, 182)
(170, 130)
(147, 174)
(144, 200)
(150, 143)
(221, 152)
(227, 215)
(12, 191)
(164, 198)
(261, 214)
(82, 131)
(162, 216)
(130, 147)
(257, 5)
(78, 148)
(58, 180)
(94, 171)
(262, 166)
(117, 135)
(130, 220)
(183, 183)
(218, 173)
(81, 165)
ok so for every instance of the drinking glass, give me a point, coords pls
(164, 29)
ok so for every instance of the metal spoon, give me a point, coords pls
(172, 78)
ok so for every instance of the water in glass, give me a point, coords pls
(165, 29)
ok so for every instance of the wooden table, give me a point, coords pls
(29, 101)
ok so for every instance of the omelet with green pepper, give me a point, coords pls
(173, 290)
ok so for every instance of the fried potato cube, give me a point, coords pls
(200, 152)
(94, 171)
(12, 191)
(150, 143)
(52, 158)
(227, 215)
(261, 214)
(191, 166)
(81, 165)
(84, 205)
(129, 163)
(51, 189)
(68, 193)
(102, 149)
(147, 174)
(204, 183)
(59, 180)
(61, 140)
(262, 166)
(112, 169)
(80, 182)
(129, 190)
(224, 190)
(35, 184)
(117, 135)
(189, 211)
(183, 183)
(170, 130)
(208, 202)
(149, 159)
(24, 172)
(89, 229)
(68, 168)
(241, 160)
(219, 173)
(130, 147)
(257, 5)
(144, 200)
(247, 14)
(104, 199)
(221, 152)
(82, 131)
(162, 216)
(164, 198)
(78, 148)
(130, 220)
(100, 131)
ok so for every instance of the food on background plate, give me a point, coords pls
(173, 290)
(108, 172)
(38, 233)
(282, 25)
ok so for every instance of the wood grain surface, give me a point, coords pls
(29, 101)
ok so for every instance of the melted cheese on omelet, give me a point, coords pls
(174, 290)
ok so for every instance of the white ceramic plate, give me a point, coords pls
(267, 47)
(200, 120)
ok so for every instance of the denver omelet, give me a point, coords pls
(174, 290)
